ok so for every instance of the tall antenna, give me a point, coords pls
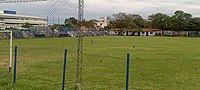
(80, 46)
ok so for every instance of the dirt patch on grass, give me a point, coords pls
(3, 62)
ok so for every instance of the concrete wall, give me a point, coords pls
(143, 34)
(151, 33)
(136, 33)
(124, 33)
(127, 33)
(113, 32)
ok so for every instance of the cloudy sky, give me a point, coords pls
(96, 8)
(57, 10)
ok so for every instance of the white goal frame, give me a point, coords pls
(11, 46)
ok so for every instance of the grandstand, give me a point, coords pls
(4, 35)
(26, 33)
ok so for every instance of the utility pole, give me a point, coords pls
(80, 46)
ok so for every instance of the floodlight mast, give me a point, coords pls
(80, 45)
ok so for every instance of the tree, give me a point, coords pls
(70, 25)
(159, 21)
(137, 19)
(88, 24)
(180, 21)
(71, 22)
(125, 21)
(94, 20)
(108, 27)
(57, 26)
(148, 24)
(195, 24)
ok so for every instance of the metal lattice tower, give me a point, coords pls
(80, 46)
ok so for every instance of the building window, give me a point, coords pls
(151, 32)
(143, 32)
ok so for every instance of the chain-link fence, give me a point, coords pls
(96, 58)
(41, 40)
(42, 30)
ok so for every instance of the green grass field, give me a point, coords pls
(157, 63)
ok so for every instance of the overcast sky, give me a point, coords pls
(97, 8)
(60, 9)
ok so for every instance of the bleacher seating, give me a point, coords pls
(54, 33)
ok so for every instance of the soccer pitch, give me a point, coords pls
(157, 63)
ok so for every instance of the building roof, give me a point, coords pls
(84, 28)
(13, 16)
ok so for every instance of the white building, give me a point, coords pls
(144, 32)
(103, 22)
(17, 21)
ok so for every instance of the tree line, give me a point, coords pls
(179, 21)
(74, 23)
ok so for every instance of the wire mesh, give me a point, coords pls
(5, 42)
(156, 62)
(4, 55)
(96, 65)
(41, 47)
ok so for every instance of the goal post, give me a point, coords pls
(10, 47)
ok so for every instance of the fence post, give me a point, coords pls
(15, 65)
(127, 70)
(64, 69)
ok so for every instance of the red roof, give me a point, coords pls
(84, 28)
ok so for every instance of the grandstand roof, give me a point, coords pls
(20, 16)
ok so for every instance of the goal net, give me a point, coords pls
(6, 48)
